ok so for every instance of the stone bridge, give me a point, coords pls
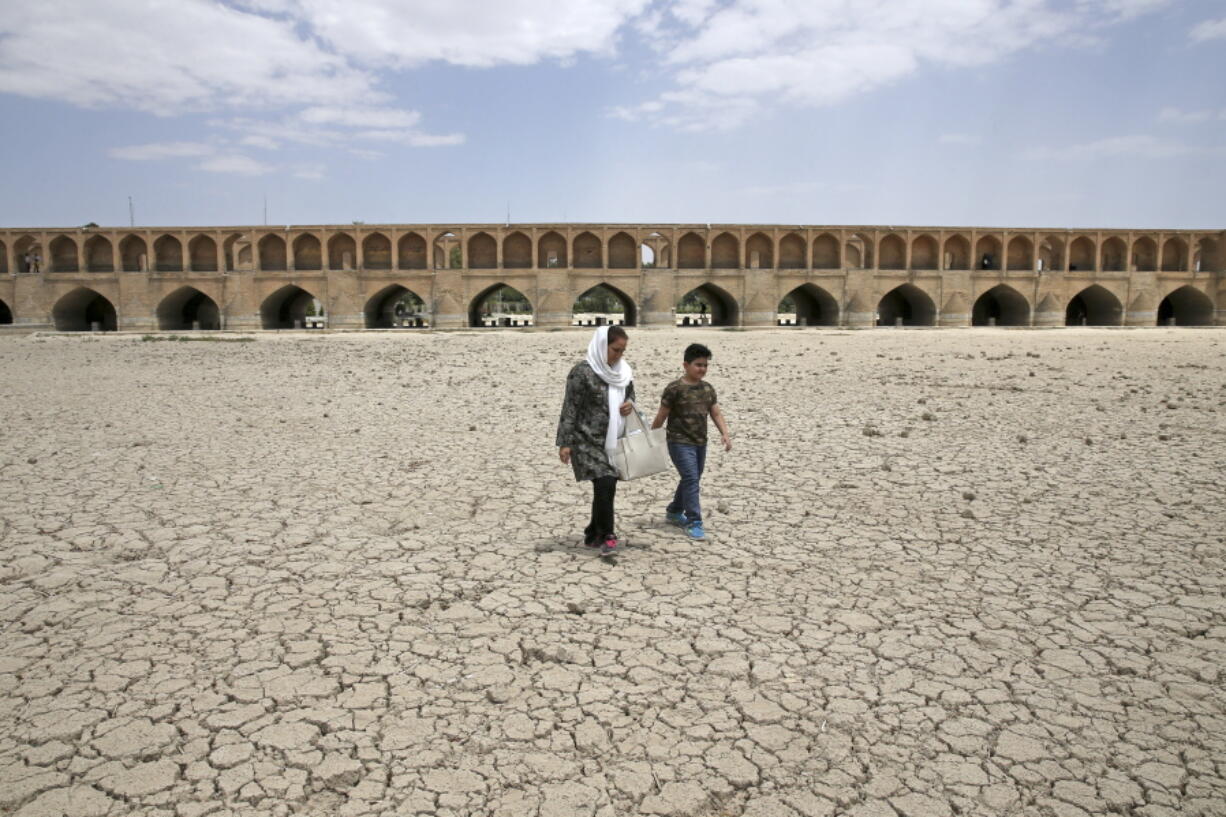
(270, 278)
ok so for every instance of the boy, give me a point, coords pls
(685, 405)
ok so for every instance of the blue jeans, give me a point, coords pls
(689, 460)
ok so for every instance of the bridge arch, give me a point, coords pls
(1115, 255)
(6, 314)
(957, 252)
(412, 251)
(482, 251)
(167, 254)
(342, 252)
(202, 254)
(308, 253)
(726, 252)
(761, 252)
(1145, 254)
(1020, 254)
(287, 308)
(858, 251)
(623, 251)
(64, 255)
(516, 251)
(1093, 306)
(1051, 254)
(1186, 306)
(501, 305)
(1002, 305)
(22, 246)
(551, 251)
(653, 252)
(892, 252)
(188, 308)
(691, 252)
(1174, 255)
(812, 305)
(1081, 254)
(987, 253)
(925, 253)
(1208, 257)
(82, 309)
(271, 250)
(376, 252)
(98, 254)
(601, 300)
(396, 305)
(714, 305)
(907, 303)
(587, 254)
(826, 253)
(792, 253)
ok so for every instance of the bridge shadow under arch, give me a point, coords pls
(500, 305)
(714, 307)
(287, 308)
(907, 303)
(188, 308)
(1186, 306)
(605, 300)
(1002, 305)
(82, 309)
(812, 305)
(1093, 306)
(396, 306)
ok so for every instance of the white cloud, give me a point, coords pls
(195, 56)
(161, 150)
(1136, 146)
(260, 141)
(1181, 117)
(1209, 30)
(473, 33)
(235, 163)
(733, 60)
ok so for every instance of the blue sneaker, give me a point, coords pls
(675, 518)
(694, 530)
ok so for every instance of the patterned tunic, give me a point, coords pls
(585, 421)
(688, 407)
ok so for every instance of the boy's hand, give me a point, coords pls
(564, 455)
(727, 442)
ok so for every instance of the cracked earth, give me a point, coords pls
(949, 573)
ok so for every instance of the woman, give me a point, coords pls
(599, 393)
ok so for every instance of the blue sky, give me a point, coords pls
(1044, 113)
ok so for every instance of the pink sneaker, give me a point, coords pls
(610, 547)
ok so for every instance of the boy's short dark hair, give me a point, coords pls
(695, 351)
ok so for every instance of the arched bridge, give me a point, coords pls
(360, 275)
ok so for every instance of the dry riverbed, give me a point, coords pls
(949, 572)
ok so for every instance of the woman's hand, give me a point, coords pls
(626, 408)
(564, 455)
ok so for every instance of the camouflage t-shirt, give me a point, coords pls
(688, 408)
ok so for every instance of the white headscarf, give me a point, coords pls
(617, 376)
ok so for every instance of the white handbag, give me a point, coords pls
(641, 451)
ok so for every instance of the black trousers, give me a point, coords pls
(604, 490)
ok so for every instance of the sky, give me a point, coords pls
(1010, 113)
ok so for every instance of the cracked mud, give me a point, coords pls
(949, 573)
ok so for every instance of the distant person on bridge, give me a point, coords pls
(599, 394)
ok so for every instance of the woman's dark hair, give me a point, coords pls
(695, 351)
(617, 333)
